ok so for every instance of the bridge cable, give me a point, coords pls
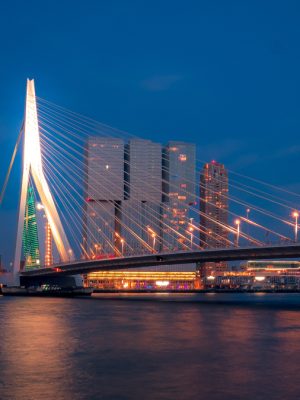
(11, 164)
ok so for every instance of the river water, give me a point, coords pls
(150, 347)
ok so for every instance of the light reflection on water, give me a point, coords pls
(109, 349)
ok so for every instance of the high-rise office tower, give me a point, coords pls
(179, 188)
(137, 196)
(141, 210)
(214, 208)
(104, 192)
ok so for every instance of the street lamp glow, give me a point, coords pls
(247, 218)
(153, 235)
(295, 214)
(122, 244)
(191, 230)
(154, 238)
(237, 223)
(40, 206)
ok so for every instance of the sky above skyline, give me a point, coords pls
(224, 75)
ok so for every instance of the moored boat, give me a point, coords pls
(46, 291)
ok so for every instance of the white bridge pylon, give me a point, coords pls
(32, 165)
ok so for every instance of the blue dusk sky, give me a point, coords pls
(222, 74)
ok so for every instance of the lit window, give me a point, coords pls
(183, 185)
(181, 197)
(106, 166)
(182, 157)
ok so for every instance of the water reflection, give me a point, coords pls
(96, 349)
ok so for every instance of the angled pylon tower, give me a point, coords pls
(32, 165)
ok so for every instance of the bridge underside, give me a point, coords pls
(200, 256)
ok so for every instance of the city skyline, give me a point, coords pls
(199, 81)
(138, 194)
(150, 199)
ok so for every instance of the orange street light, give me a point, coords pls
(237, 223)
(295, 214)
(122, 244)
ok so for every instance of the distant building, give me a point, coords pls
(137, 196)
(31, 248)
(104, 192)
(179, 194)
(142, 280)
(141, 212)
(48, 257)
(213, 211)
(257, 275)
(271, 265)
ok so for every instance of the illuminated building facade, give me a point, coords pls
(30, 232)
(214, 205)
(48, 245)
(119, 206)
(179, 189)
(257, 275)
(141, 210)
(137, 196)
(104, 193)
(141, 280)
(213, 211)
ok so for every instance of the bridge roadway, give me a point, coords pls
(182, 257)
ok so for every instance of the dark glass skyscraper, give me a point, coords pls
(179, 193)
(214, 207)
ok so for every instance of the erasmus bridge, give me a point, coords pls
(55, 176)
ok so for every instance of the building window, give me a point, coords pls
(182, 157)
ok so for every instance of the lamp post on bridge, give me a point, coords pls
(247, 213)
(237, 222)
(191, 231)
(153, 235)
(296, 215)
(154, 239)
(247, 217)
(122, 244)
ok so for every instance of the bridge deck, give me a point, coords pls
(182, 257)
